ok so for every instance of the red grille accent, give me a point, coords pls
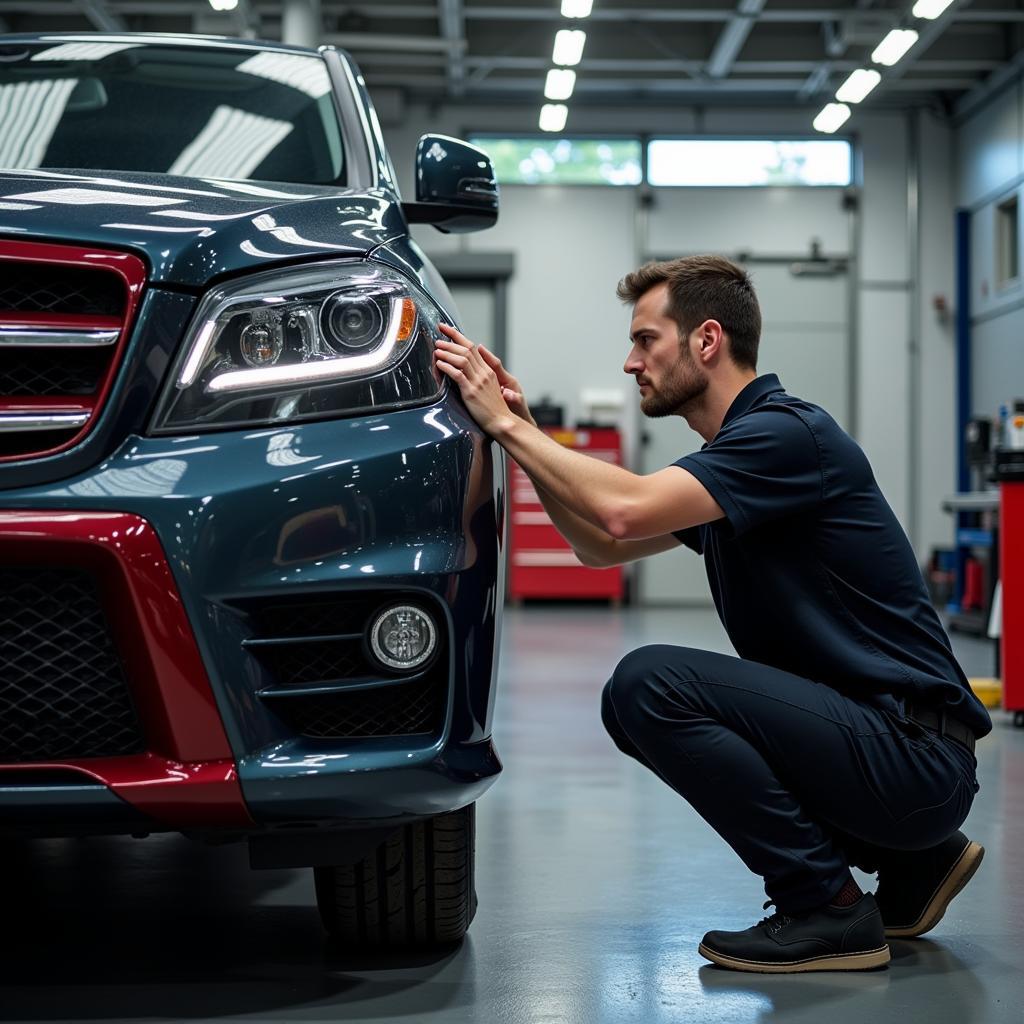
(187, 776)
(61, 288)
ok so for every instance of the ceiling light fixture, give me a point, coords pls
(858, 85)
(893, 46)
(582, 8)
(569, 44)
(930, 9)
(223, 5)
(559, 84)
(553, 117)
(831, 117)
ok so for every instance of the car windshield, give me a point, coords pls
(235, 114)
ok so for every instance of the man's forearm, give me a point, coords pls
(593, 490)
(593, 546)
(585, 538)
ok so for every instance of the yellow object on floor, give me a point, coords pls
(988, 691)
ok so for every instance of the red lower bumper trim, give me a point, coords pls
(189, 777)
(179, 794)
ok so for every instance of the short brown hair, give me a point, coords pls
(704, 288)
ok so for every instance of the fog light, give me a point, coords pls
(403, 637)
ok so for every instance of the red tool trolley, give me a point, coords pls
(542, 564)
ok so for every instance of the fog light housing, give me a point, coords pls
(403, 637)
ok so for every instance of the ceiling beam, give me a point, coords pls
(817, 80)
(995, 83)
(682, 66)
(270, 10)
(729, 43)
(370, 41)
(102, 17)
(453, 30)
(246, 19)
(614, 88)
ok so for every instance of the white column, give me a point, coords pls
(301, 24)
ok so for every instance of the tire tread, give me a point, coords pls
(415, 890)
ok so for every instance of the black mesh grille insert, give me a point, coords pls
(399, 708)
(332, 614)
(304, 663)
(47, 371)
(63, 692)
(44, 288)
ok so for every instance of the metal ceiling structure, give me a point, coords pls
(655, 52)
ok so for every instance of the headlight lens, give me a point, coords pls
(310, 343)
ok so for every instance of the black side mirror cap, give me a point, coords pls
(456, 190)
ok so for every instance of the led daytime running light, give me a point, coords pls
(324, 369)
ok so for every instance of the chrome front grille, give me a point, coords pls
(64, 317)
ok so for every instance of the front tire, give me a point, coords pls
(415, 890)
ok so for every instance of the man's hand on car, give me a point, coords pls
(511, 389)
(490, 393)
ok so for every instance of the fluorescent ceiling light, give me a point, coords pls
(559, 84)
(893, 46)
(930, 9)
(569, 46)
(223, 5)
(831, 117)
(858, 85)
(553, 117)
(581, 8)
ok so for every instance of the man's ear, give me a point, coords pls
(711, 338)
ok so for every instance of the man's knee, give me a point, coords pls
(639, 685)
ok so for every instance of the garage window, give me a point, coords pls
(745, 162)
(563, 161)
(1007, 241)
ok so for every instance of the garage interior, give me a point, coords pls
(893, 296)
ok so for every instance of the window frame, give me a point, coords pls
(646, 138)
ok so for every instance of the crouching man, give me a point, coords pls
(843, 734)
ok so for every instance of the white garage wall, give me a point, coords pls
(572, 244)
(990, 168)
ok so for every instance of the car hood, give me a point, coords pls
(193, 231)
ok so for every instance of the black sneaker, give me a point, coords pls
(828, 939)
(915, 889)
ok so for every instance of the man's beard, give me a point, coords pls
(685, 384)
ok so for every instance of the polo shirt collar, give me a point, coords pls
(756, 389)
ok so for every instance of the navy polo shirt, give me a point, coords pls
(810, 570)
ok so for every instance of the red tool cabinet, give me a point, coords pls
(541, 562)
(1010, 472)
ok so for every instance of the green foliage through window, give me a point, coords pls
(563, 161)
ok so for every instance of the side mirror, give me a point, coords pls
(455, 186)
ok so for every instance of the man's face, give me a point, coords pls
(666, 372)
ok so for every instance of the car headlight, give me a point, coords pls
(312, 342)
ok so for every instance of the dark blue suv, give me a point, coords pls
(251, 546)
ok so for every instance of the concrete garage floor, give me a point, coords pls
(596, 883)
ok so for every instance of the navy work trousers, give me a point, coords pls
(800, 780)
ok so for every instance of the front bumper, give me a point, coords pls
(189, 535)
